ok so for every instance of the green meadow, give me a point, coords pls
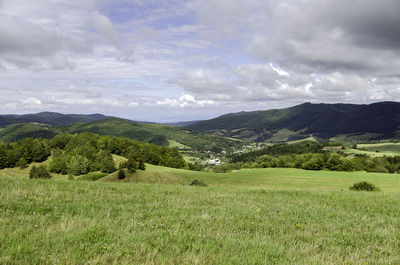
(376, 150)
(268, 179)
(253, 216)
(381, 147)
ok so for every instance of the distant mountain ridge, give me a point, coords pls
(326, 121)
(50, 118)
(181, 123)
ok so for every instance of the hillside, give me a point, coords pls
(345, 122)
(50, 118)
(21, 131)
(150, 133)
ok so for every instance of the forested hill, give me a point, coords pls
(343, 121)
(50, 118)
(149, 133)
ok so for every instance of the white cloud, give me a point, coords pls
(32, 101)
(185, 101)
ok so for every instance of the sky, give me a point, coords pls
(179, 60)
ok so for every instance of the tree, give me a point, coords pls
(130, 164)
(3, 157)
(78, 165)
(58, 163)
(107, 164)
(315, 163)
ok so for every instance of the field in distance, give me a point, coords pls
(376, 149)
(263, 178)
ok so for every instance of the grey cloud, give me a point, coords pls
(104, 25)
(330, 35)
(26, 44)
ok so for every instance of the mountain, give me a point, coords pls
(50, 118)
(150, 133)
(345, 122)
(181, 123)
(21, 131)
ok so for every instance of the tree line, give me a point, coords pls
(82, 153)
(311, 156)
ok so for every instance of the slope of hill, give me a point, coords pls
(345, 121)
(20, 131)
(51, 118)
(150, 133)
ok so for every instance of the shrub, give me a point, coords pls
(39, 172)
(364, 186)
(198, 182)
(121, 174)
(141, 165)
(33, 172)
(22, 163)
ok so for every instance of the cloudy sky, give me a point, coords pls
(172, 60)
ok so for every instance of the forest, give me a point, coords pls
(82, 153)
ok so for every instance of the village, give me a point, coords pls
(215, 159)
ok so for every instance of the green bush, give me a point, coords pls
(22, 163)
(141, 165)
(198, 182)
(39, 172)
(364, 186)
(121, 174)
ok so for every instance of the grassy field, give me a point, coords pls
(172, 143)
(255, 216)
(62, 222)
(268, 179)
(369, 153)
(376, 150)
(382, 147)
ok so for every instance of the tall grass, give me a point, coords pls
(61, 222)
